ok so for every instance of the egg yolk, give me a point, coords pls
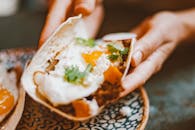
(112, 75)
(92, 57)
(6, 101)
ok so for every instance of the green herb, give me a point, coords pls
(88, 69)
(85, 42)
(124, 52)
(116, 53)
(111, 48)
(113, 57)
(73, 75)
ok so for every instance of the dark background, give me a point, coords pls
(171, 92)
(23, 28)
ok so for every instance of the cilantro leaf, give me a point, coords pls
(116, 53)
(113, 57)
(111, 48)
(124, 52)
(74, 75)
(85, 42)
(88, 69)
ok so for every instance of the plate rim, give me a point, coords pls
(13, 119)
(146, 108)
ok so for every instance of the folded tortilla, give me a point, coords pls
(76, 76)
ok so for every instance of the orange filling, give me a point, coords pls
(92, 58)
(112, 75)
(81, 108)
(6, 101)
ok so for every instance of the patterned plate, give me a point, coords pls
(38, 117)
(11, 60)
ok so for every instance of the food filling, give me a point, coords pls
(10, 74)
(84, 77)
(6, 101)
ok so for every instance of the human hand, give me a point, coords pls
(60, 10)
(157, 38)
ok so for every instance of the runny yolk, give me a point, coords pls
(92, 57)
(112, 75)
(6, 101)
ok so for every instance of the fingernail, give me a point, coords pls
(127, 87)
(124, 84)
(137, 58)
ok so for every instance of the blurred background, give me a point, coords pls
(21, 21)
(171, 92)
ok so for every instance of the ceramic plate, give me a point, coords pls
(14, 58)
(38, 117)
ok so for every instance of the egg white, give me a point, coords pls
(53, 86)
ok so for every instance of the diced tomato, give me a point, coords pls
(112, 75)
(81, 108)
(7, 101)
(92, 57)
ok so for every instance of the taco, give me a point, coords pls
(76, 76)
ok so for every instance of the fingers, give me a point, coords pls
(142, 29)
(84, 7)
(93, 21)
(56, 15)
(145, 70)
(60, 9)
(147, 44)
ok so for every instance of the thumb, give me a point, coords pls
(57, 13)
(94, 20)
(147, 68)
(150, 38)
(142, 28)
